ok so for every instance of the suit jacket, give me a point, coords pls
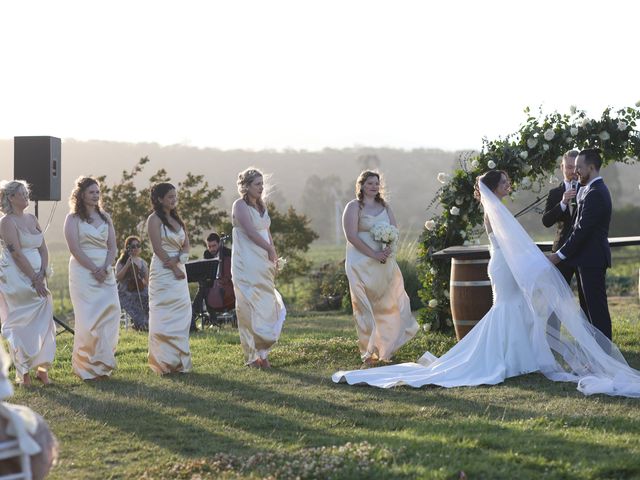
(554, 215)
(588, 244)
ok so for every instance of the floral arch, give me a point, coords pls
(528, 156)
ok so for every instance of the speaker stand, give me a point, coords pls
(55, 319)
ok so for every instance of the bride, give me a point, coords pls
(516, 336)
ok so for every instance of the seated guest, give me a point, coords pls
(132, 274)
(212, 252)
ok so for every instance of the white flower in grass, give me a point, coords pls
(527, 168)
(446, 293)
(433, 303)
(524, 155)
(622, 125)
(604, 135)
(475, 163)
(491, 164)
(545, 146)
(432, 271)
(454, 211)
(443, 177)
(549, 134)
(430, 225)
(532, 142)
(573, 131)
(459, 201)
(463, 234)
(525, 182)
(569, 140)
(426, 327)
(465, 218)
(573, 109)
(448, 322)
(585, 122)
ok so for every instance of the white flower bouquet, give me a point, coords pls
(385, 233)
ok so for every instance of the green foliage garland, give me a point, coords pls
(528, 156)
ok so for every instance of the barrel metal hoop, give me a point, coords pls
(469, 262)
(470, 283)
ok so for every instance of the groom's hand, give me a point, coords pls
(554, 258)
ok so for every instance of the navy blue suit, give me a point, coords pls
(587, 249)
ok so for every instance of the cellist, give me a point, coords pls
(212, 252)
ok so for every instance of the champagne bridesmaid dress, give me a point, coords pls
(169, 311)
(259, 306)
(27, 318)
(95, 306)
(381, 307)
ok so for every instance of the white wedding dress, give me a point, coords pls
(534, 325)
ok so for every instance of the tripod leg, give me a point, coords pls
(64, 325)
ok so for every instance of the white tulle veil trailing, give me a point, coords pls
(567, 346)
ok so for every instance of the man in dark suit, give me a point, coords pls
(560, 208)
(587, 248)
(212, 252)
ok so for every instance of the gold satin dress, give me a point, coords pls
(259, 306)
(169, 311)
(27, 318)
(381, 307)
(95, 306)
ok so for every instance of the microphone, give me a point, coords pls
(574, 186)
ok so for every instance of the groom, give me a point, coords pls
(587, 248)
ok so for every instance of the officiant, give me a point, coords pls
(560, 208)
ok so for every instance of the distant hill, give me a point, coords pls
(410, 175)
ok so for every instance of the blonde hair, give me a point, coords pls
(246, 178)
(362, 178)
(8, 188)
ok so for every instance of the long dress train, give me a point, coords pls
(259, 306)
(96, 307)
(498, 347)
(27, 318)
(381, 307)
(169, 311)
(535, 325)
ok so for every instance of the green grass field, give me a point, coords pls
(228, 421)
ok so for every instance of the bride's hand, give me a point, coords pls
(273, 256)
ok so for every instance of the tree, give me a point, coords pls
(291, 237)
(130, 206)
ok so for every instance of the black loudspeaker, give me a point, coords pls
(37, 160)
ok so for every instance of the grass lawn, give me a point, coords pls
(227, 421)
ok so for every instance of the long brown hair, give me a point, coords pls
(76, 204)
(362, 178)
(158, 191)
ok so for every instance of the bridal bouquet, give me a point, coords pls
(385, 233)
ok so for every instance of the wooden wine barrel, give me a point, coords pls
(470, 291)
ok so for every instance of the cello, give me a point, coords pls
(221, 296)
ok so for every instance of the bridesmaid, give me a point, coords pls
(259, 306)
(26, 307)
(92, 284)
(381, 307)
(169, 300)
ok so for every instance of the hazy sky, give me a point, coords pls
(309, 74)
